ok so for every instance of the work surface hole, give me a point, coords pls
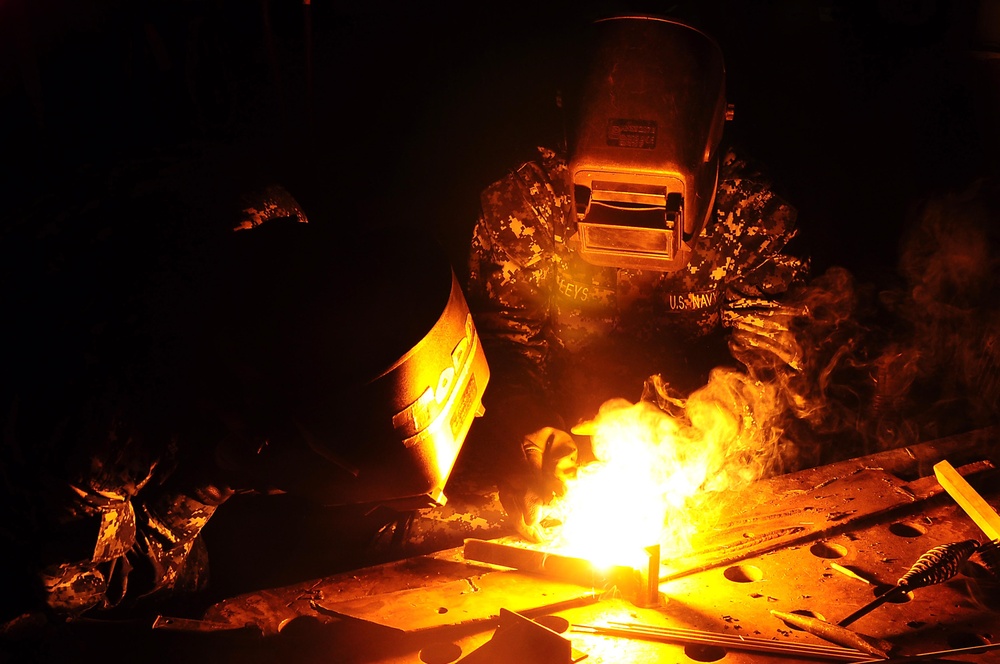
(702, 653)
(828, 550)
(907, 529)
(743, 573)
(440, 653)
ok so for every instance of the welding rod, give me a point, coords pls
(846, 571)
(732, 642)
(937, 565)
(936, 655)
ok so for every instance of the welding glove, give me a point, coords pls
(549, 460)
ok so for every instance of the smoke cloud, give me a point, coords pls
(868, 367)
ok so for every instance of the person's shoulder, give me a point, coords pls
(540, 179)
(748, 200)
(534, 193)
(738, 164)
(542, 166)
(551, 161)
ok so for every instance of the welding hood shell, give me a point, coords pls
(419, 411)
(644, 154)
(358, 363)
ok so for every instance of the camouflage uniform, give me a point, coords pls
(107, 474)
(564, 335)
(122, 527)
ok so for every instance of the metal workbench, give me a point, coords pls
(821, 542)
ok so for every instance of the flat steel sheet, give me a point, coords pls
(475, 599)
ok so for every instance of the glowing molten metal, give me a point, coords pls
(659, 478)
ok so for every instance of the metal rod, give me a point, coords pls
(650, 595)
(673, 635)
(892, 594)
(733, 638)
(577, 570)
(937, 654)
(937, 565)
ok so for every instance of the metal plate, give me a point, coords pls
(865, 522)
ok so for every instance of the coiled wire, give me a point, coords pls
(938, 564)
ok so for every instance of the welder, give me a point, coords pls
(645, 246)
(257, 360)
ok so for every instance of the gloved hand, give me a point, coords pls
(549, 460)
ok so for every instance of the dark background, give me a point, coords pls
(389, 112)
(143, 119)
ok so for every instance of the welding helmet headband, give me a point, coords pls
(644, 149)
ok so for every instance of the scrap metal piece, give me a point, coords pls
(520, 639)
(968, 499)
(627, 580)
(172, 624)
(468, 601)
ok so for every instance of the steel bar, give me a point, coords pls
(892, 594)
(577, 570)
(699, 637)
(650, 595)
(968, 499)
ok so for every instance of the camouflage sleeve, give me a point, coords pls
(95, 485)
(140, 551)
(510, 269)
(146, 518)
(272, 201)
(756, 311)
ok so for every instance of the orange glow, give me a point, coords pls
(661, 478)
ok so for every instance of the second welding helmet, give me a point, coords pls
(345, 365)
(644, 154)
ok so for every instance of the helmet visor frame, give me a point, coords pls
(650, 122)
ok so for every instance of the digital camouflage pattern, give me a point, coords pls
(103, 494)
(160, 535)
(578, 332)
(99, 505)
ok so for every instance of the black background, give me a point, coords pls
(149, 115)
(388, 112)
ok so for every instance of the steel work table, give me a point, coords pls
(821, 542)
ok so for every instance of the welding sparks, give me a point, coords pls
(658, 478)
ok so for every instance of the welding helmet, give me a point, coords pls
(356, 362)
(644, 152)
